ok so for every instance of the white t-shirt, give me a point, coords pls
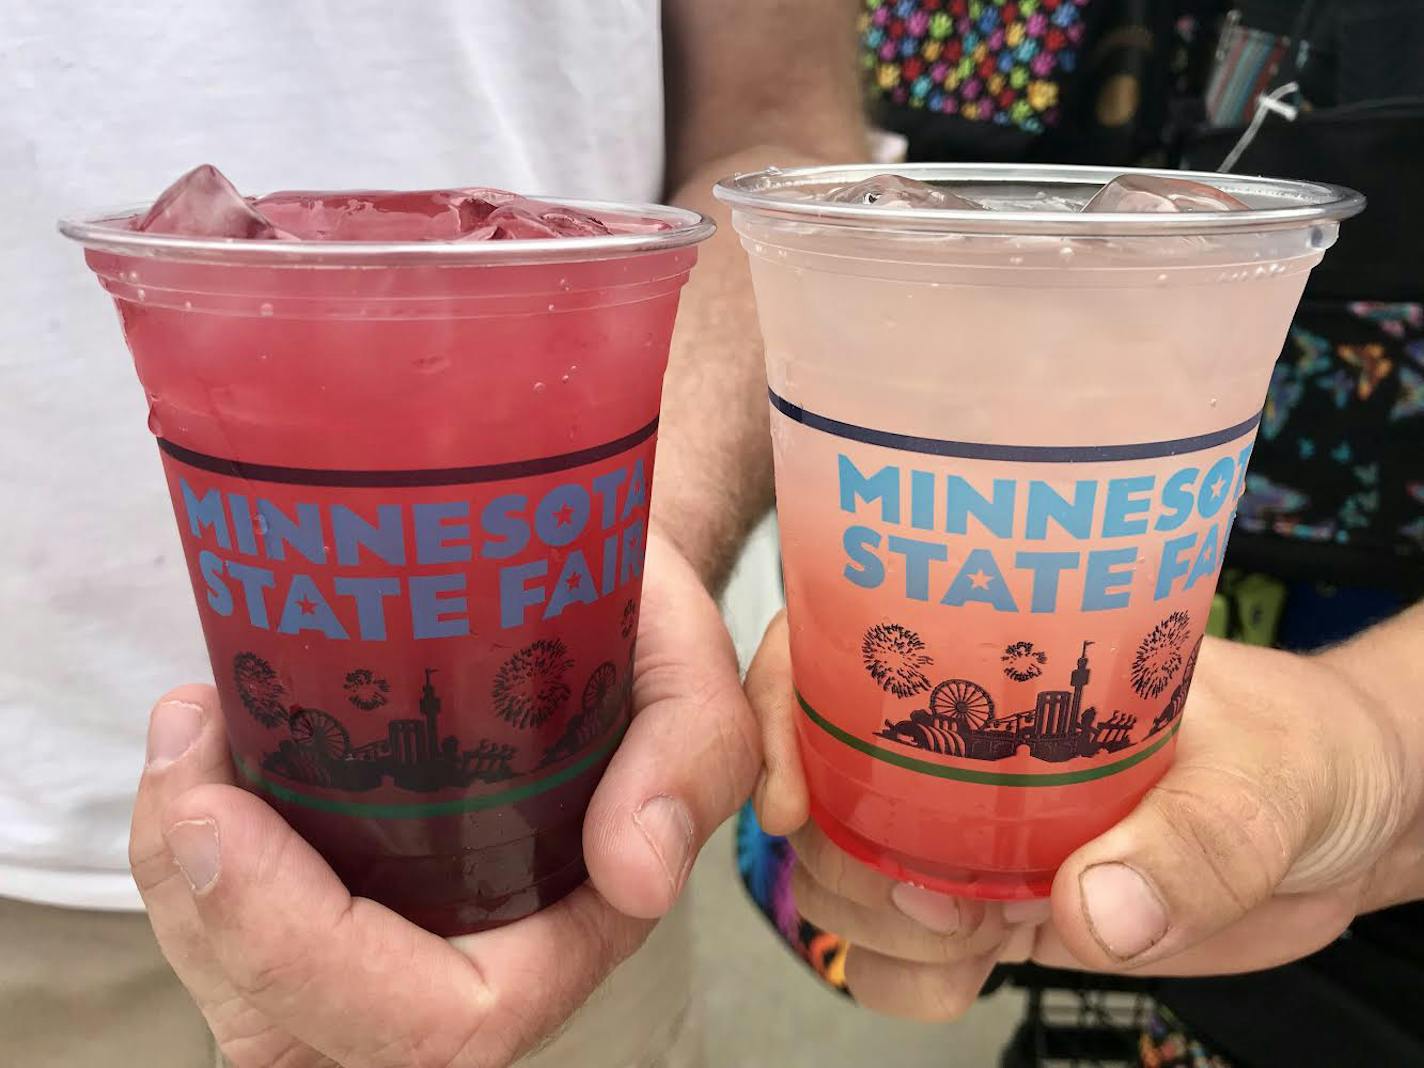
(107, 107)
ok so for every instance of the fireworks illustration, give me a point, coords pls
(529, 687)
(1159, 657)
(366, 690)
(630, 618)
(895, 657)
(260, 689)
(1023, 662)
(601, 691)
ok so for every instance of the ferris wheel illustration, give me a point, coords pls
(313, 727)
(965, 702)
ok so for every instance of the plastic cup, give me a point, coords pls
(411, 481)
(1008, 446)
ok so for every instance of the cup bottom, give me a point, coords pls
(458, 874)
(935, 875)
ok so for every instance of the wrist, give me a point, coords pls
(1385, 669)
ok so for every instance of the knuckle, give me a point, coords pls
(275, 971)
(1238, 827)
(152, 864)
(950, 999)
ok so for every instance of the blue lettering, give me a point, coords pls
(610, 562)
(1045, 503)
(918, 555)
(1046, 568)
(1176, 496)
(1107, 570)
(922, 495)
(1171, 565)
(254, 580)
(506, 532)
(306, 609)
(433, 615)
(631, 566)
(1241, 462)
(575, 586)
(207, 512)
(980, 580)
(515, 596)
(962, 500)
(369, 594)
(439, 542)
(883, 486)
(606, 486)
(637, 491)
(1207, 558)
(1123, 501)
(219, 596)
(1216, 484)
(351, 533)
(303, 533)
(864, 568)
(242, 525)
(562, 514)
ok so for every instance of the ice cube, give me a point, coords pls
(521, 219)
(896, 191)
(1148, 193)
(203, 203)
(516, 222)
(384, 215)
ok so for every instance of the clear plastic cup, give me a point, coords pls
(1009, 444)
(412, 485)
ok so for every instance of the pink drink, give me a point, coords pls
(412, 480)
(1009, 445)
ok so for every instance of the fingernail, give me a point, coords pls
(195, 847)
(666, 825)
(938, 912)
(1124, 913)
(172, 729)
(1033, 911)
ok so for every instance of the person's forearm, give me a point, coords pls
(1386, 664)
(714, 453)
(750, 84)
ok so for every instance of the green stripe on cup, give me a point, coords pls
(984, 778)
(425, 809)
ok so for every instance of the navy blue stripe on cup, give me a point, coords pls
(434, 476)
(1041, 454)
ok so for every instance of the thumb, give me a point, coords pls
(1254, 791)
(690, 754)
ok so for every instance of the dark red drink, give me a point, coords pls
(412, 484)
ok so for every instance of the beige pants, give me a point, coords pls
(85, 989)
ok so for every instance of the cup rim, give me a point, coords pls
(103, 231)
(1301, 203)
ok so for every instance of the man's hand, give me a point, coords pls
(1293, 805)
(291, 970)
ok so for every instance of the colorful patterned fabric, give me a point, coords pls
(999, 61)
(1165, 1044)
(765, 864)
(1340, 457)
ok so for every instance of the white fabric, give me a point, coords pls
(105, 107)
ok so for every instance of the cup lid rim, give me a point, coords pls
(101, 230)
(1300, 203)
